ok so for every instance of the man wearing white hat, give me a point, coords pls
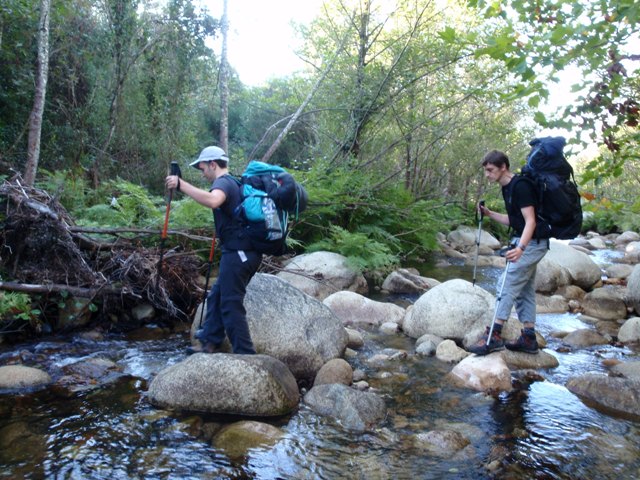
(238, 262)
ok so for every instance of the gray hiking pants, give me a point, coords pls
(519, 285)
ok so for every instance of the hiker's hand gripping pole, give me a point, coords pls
(174, 170)
(206, 284)
(479, 220)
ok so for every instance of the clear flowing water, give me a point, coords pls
(538, 431)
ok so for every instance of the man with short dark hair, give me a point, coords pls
(527, 249)
(238, 262)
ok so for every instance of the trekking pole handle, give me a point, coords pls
(480, 207)
(175, 169)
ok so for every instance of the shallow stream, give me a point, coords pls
(538, 431)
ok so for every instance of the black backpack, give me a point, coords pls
(269, 196)
(559, 213)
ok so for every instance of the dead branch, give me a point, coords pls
(304, 104)
(60, 288)
(144, 231)
(46, 253)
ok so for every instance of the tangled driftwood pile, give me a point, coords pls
(43, 252)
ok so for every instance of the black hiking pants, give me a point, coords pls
(225, 308)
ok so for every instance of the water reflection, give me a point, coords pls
(546, 416)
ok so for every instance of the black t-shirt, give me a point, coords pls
(226, 228)
(518, 193)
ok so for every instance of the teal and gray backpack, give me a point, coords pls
(269, 196)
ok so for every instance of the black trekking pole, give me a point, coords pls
(206, 284)
(475, 264)
(175, 170)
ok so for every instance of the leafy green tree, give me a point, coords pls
(18, 50)
(404, 101)
(123, 90)
(537, 40)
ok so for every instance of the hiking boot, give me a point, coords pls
(525, 343)
(206, 347)
(481, 347)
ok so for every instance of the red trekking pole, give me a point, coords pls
(175, 170)
(206, 285)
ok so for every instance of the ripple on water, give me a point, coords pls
(554, 431)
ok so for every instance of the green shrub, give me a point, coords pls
(134, 204)
(99, 216)
(188, 214)
(17, 306)
(69, 189)
(373, 225)
(362, 253)
(123, 204)
(601, 221)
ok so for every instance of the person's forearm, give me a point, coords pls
(499, 217)
(528, 232)
(211, 199)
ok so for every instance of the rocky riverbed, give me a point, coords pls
(94, 417)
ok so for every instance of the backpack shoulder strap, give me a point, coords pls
(517, 178)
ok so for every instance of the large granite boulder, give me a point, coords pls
(289, 325)
(404, 280)
(250, 385)
(335, 371)
(632, 252)
(293, 327)
(567, 266)
(627, 370)
(615, 394)
(448, 351)
(606, 303)
(238, 438)
(464, 239)
(630, 331)
(353, 309)
(320, 274)
(355, 410)
(584, 338)
(626, 237)
(527, 361)
(441, 443)
(482, 373)
(21, 376)
(454, 309)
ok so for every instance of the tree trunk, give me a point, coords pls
(360, 111)
(121, 15)
(295, 116)
(224, 84)
(42, 73)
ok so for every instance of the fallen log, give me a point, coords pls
(59, 288)
(145, 231)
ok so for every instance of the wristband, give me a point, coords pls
(521, 247)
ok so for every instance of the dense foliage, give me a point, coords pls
(406, 97)
(594, 43)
